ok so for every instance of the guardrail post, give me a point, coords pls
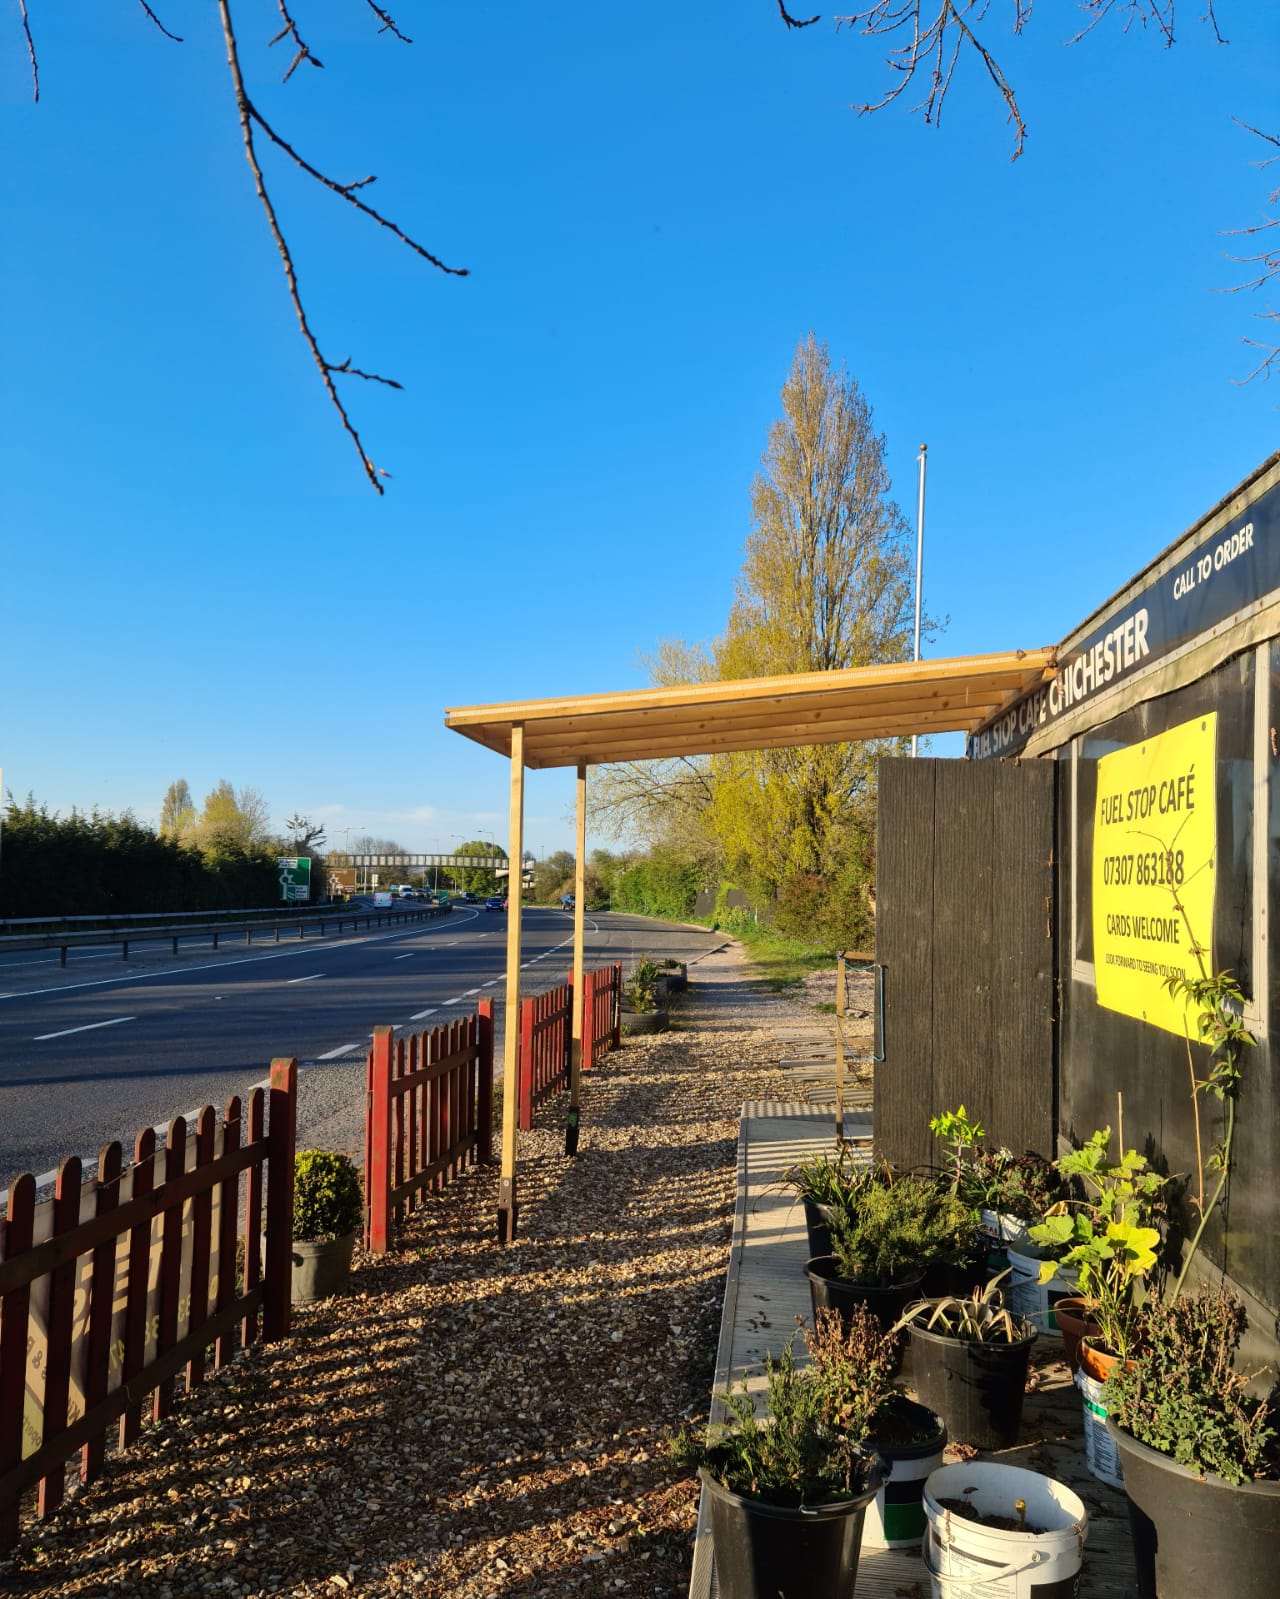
(378, 1142)
(124, 949)
(277, 1283)
(484, 1088)
(63, 961)
(615, 1038)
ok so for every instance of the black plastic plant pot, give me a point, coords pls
(829, 1291)
(957, 1279)
(818, 1227)
(764, 1550)
(977, 1388)
(1198, 1536)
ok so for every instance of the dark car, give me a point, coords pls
(495, 902)
(470, 899)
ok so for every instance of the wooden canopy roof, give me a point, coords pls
(899, 700)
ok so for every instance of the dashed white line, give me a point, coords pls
(407, 957)
(492, 983)
(310, 979)
(343, 1049)
(418, 1015)
(87, 1028)
(469, 992)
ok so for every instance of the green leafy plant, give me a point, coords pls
(1109, 1237)
(834, 1180)
(1219, 1005)
(900, 1227)
(808, 1448)
(327, 1198)
(1184, 1397)
(977, 1318)
(954, 1129)
(1024, 1186)
(640, 991)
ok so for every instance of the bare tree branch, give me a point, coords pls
(177, 39)
(251, 119)
(1266, 261)
(248, 117)
(388, 23)
(302, 49)
(31, 51)
(935, 46)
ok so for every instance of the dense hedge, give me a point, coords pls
(99, 864)
(659, 885)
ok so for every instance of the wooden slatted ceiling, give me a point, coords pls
(865, 702)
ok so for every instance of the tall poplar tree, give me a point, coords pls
(826, 584)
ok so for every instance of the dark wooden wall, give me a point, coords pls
(965, 930)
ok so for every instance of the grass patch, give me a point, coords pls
(781, 963)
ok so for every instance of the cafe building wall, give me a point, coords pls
(1164, 721)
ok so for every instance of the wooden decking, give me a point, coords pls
(766, 1291)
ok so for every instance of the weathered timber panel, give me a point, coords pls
(965, 932)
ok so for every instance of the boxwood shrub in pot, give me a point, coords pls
(882, 1247)
(328, 1210)
(787, 1492)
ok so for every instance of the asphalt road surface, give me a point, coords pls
(102, 1048)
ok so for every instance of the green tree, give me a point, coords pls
(553, 876)
(233, 819)
(177, 811)
(480, 879)
(305, 836)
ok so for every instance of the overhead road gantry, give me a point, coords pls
(866, 702)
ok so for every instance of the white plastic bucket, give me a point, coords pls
(1027, 1296)
(1003, 1227)
(966, 1560)
(1100, 1452)
(895, 1518)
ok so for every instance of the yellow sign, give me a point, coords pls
(1154, 840)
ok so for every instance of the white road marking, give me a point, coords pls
(87, 1028)
(492, 983)
(310, 979)
(407, 957)
(418, 1015)
(344, 1049)
(469, 993)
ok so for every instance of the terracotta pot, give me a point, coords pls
(1098, 1362)
(1074, 1323)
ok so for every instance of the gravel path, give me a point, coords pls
(470, 1420)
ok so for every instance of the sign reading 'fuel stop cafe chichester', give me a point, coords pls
(1154, 836)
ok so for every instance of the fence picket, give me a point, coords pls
(15, 1305)
(102, 1283)
(135, 1318)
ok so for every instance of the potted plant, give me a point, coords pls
(828, 1186)
(787, 1492)
(883, 1245)
(856, 1360)
(1106, 1242)
(676, 973)
(644, 998)
(969, 1363)
(1201, 1458)
(328, 1211)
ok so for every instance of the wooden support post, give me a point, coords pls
(507, 1202)
(840, 1014)
(574, 1119)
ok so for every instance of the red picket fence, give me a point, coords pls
(430, 1113)
(98, 1316)
(546, 1035)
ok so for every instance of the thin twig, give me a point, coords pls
(177, 38)
(31, 51)
(388, 24)
(302, 49)
(796, 22)
(247, 117)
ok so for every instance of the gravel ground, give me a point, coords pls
(470, 1420)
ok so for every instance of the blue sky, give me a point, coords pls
(655, 207)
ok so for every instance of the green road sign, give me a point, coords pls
(295, 877)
